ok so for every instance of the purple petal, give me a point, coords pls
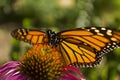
(16, 76)
(76, 70)
(9, 71)
(9, 65)
(70, 76)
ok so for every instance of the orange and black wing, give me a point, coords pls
(29, 35)
(85, 47)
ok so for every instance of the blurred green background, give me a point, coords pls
(59, 15)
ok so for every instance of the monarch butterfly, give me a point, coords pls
(79, 47)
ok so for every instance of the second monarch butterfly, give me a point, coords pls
(79, 47)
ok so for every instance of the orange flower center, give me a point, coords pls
(42, 63)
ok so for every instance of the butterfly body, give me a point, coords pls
(53, 39)
(80, 47)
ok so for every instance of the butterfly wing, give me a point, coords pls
(85, 47)
(29, 35)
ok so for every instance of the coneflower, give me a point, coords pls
(41, 62)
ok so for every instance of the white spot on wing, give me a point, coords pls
(113, 39)
(103, 28)
(109, 32)
(100, 34)
(93, 28)
(97, 30)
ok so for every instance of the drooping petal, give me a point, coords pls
(70, 76)
(9, 71)
(9, 65)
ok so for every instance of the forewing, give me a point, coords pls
(29, 35)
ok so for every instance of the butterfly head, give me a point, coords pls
(53, 39)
